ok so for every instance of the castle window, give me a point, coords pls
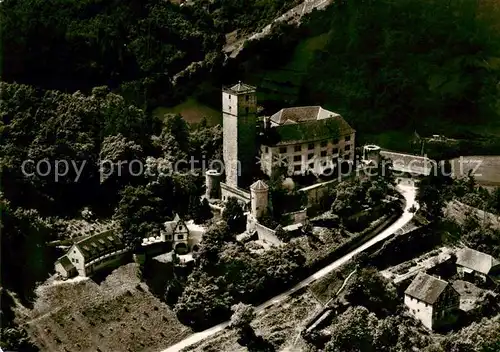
(310, 156)
(310, 146)
(347, 156)
(297, 168)
(298, 148)
(323, 153)
(247, 97)
(180, 237)
(324, 143)
(266, 149)
(347, 147)
(169, 237)
(347, 138)
(283, 150)
(297, 158)
(335, 150)
(335, 141)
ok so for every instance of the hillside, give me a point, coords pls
(119, 314)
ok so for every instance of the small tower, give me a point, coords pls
(239, 120)
(371, 153)
(259, 198)
(212, 184)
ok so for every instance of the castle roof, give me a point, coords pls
(426, 288)
(102, 243)
(306, 123)
(240, 88)
(259, 186)
(475, 260)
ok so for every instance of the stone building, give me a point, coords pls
(92, 254)
(472, 264)
(239, 128)
(306, 139)
(432, 301)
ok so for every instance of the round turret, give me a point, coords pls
(371, 152)
(212, 184)
(259, 194)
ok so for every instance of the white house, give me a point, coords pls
(92, 254)
(431, 300)
(474, 264)
(306, 138)
(185, 236)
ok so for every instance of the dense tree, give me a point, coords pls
(139, 211)
(352, 331)
(369, 289)
(429, 67)
(203, 301)
(234, 216)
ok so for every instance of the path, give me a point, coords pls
(409, 193)
(291, 16)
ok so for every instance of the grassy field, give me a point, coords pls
(487, 173)
(120, 314)
(192, 111)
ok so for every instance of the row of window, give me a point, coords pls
(324, 163)
(311, 146)
(323, 154)
(179, 237)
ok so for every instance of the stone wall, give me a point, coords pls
(227, 191)
(316, 192)
(266, 234)
(297, 217)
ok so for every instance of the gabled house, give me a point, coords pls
(432, 301)
(185, 236)
(92, 254)
(472, 264)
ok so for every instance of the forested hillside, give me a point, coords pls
(426, 65)
(137, 47)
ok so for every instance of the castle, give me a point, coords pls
(301, 140)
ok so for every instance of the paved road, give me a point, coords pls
(408, 191)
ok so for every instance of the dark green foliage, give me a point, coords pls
(369, 289)
(23, 237)
(201, 211)
(139, 211)
(239, 275)
(233, 215)
(74, 45)
(64, 128)
(419, 63)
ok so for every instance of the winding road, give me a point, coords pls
(409, 193)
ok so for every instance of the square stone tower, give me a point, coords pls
(239, 119)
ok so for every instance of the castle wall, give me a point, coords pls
(266, 234)
(227, 191)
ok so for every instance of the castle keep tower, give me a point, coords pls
(239, 119)
(259, 194)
